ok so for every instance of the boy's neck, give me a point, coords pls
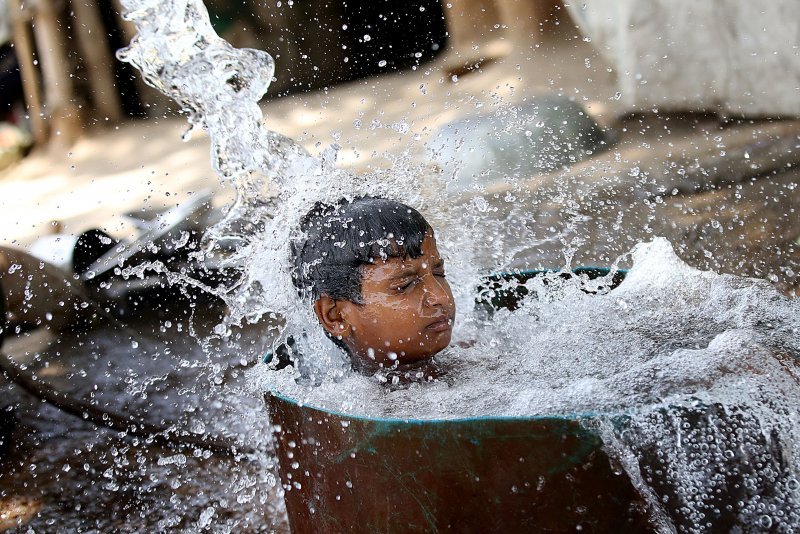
(400, 373)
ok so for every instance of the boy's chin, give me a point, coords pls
(432, 350)
(441, 343)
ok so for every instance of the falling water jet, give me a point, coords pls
(276, 180)
(218, 87)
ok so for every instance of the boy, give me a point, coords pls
(371, 268)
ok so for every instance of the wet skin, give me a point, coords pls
(406, 315)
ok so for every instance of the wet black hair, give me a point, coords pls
(338, 239)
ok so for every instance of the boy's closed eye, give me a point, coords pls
(405, 283)
(408, 282)
(409, 285)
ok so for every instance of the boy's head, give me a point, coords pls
(372, 270)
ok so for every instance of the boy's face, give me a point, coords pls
(407, 311)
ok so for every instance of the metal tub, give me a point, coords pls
(344, 473)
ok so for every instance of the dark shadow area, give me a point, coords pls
(388, 35)
(124, 74)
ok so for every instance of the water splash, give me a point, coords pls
(276, 180)
(218, 87)
(690, 377)
(670, 347)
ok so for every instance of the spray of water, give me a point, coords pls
(688, 376)
(276, 180)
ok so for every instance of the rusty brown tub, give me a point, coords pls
(343, 473)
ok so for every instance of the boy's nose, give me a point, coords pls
(435, 292)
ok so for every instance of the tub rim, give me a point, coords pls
(576, 417)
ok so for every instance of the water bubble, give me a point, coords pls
(205, 517)
(480, 204)
(400, 127)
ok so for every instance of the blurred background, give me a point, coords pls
(695, 103)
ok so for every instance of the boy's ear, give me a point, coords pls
(330, 316)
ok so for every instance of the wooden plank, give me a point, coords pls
(468, 23)
(99, 63)
(58, 87)
(524, 20)
(31, 82)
